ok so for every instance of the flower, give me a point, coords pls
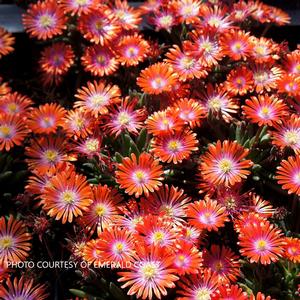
(78, 7)
(223, 262)
(164, 19)
(139, 175)
(99, 60)
(15, 104)
(22, 289)
(14, 240)
(292, 62)
(97, 96)
(99, 26)
(174, 147)
(13, 131)
(46, 118)
(259, 296)
(206, 214)
(57, 59)
(263, 50)
(232, 292)
(225, 163)
(132, 49)
(289, 84)
(265, 110)
(44, 20)
(292, 249)
(187, 10)
(6, 42)
(157, 78)
(288, 174)
(150, 273)
(67, 196)
(103, 211)
(261, 242)
(124, 117)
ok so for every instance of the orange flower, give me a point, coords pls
(99, 60)
(97, 96)
(23, 289)
(44, 20)
(151, 272)
(4, 88)
(261, 243)
(292, 249)
(157, 78)
(225, 163)
(78, 7)
(6, 42)
(15, 103)
(263, 50)
(289, 84)
(12, 131)
(46, 118)
(14, 240)
(206, 214)
(288, 174)
(260, 296)
(66, 196)
(265, 110)
(139, 175)
(187, 10)
(174, 147)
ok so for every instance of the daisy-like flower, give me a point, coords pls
(265, 110)
(188, 11)
(46, 118)
(139, 175)
(239, 81)
(225, 163)
(259, 296)
(116, 245)
(67, 196)
(90, 146)
(278, 16)
(124, 117)
(223, 262)
(13, 131)
(206, 214)
(99, 60)
(292, 249)
(97, 96)
(103, 212)
(292, 62)
(150, 273)
(246, 220)
(185, 65)
(57, 59)
(261, 206)
(6, 42)
(217, 101)
(288, 174)
(229, 292)
(15, 103)
(4, 88)
(152, 6)
(241, 11)
(163, 122)
(99, 26)
(127, 16)
(44, 20)
(22, 289)
(168, 201)
(191, 111)
(261, 243)
(164, 19)
(263, 50)
(289, 84)
(47, 154)
(132, 49)
(265, 76)
(157, 78)
(174, 147)
(14, 240)
(236, 44)
(188, 259)
(201, 286)
(260, 11)
(78, 7)
(287, 134)
(91, 254)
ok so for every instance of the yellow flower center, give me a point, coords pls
(265, 112)
(100, 210)
(261, 245)
(140, 176)
(101, 60)
(188, 62)
(68, 197)
(5, 131)
(119, 247)
(123, 118)
(207, 46)
(166, 20)
(12, 107)
(214, 21)
(47, 122)
(219, 266)
(158, 236)
(187, 10)
(81, 2)
(46, 21)
(203, 294)
(149, 270)
(79, 123)
(158, 83)
(230, 203)
(225, 165)
(215, 103)
(260, 50)
(174, 145)
(6, 242)
(51, 155)
(237, 46)
(98, 24)
(131, 52)
(261, 77)
(167, 209)
(292, 137)
(92, 145)
(98, 100)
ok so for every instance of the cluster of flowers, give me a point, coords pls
(140, 139)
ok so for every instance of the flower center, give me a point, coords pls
(123, 118)
(219, 266)
(99, 25)
(101, 60)
(51, 155)
(92, 145)
(81, 2)
(47, 122)
(5, 131)
(174, 145)
(240, 82)
(68, 197)
(132, 52)
(292, 137)
(140, 176)
(6, 242)
(98, 100)
(225, 165)
(158, 83)
(167, 209)
(188, 62)
(265, 112)
(207, 46)
(237, 47)
(261, 77)
(261, 245)
(215, 103)
(100, 210)
(214, 21)
(46, 21)
(149, 271)
(260, 50)
(119, 247)
(158, 236)
(12, 107)
(207, 218)
(203, 294)
(166, 21)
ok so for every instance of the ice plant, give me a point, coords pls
(6, 42)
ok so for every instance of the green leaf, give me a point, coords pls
(116, 292)
(78, 293)
(141, 141)
(118, 157)
(5, 175)
(134, 149)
